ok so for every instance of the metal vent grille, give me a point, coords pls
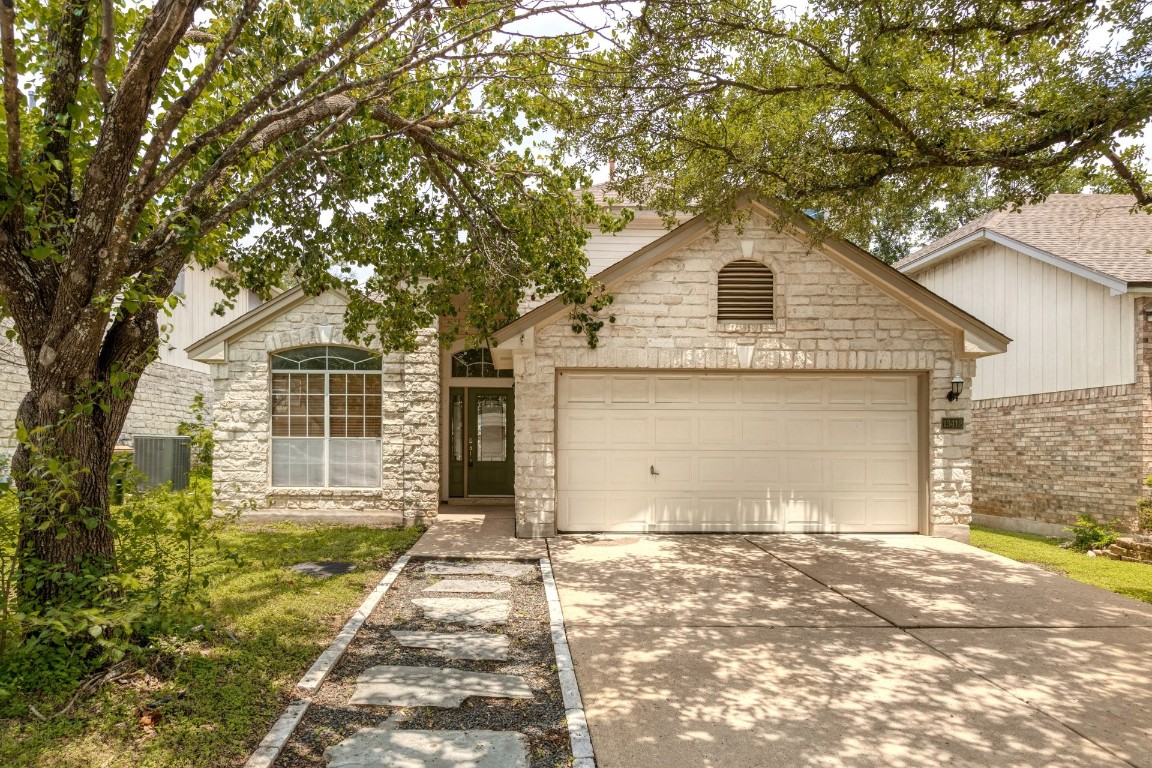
(745, 293)
(163, 459)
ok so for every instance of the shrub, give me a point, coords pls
(199, 428)
(1087, 534)
(166, 544)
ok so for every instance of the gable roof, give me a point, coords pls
(206, 349)
(980, 338)
(1096, 236)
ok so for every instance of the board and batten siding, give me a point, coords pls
(193, 319)
(1067, 332)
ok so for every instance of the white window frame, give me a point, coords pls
(326, 372)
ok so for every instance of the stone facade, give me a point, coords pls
(410, 451)
(830, 320)
(163, 399)
(1040, 460)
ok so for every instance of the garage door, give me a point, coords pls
(699, 452)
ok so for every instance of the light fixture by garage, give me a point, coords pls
(957, 388)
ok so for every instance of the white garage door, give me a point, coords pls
(769, 452)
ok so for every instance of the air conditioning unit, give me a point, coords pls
(163, 459)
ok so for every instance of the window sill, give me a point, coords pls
(776, 326)
(321, 493)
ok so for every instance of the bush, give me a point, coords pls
(200, 430)
(1087, 534)
(165, 544)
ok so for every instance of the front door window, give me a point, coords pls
(482, 464)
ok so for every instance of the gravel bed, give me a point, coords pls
(331, 718)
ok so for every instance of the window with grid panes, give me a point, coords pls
(326, 418)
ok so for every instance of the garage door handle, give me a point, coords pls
(652, 470)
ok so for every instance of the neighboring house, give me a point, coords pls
(1063, 421)
(752, 381)
(167, 388)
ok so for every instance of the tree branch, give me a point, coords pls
(12, 97)
(104, 53)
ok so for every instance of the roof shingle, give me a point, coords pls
(1100, 232)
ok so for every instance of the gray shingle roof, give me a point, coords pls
(1099, 232)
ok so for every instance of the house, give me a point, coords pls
(754, 380)
(169, 385)
(1062, 423)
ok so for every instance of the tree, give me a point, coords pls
(896, 118)
(307, 143)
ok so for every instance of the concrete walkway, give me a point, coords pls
(752, 651)
(477, 532)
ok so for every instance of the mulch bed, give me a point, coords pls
(331, 718)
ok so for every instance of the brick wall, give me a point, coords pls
(830, 320)
(1046, 458)
(410, 452)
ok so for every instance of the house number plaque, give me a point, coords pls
(952, 422)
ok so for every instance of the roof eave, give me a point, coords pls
(1116, 285)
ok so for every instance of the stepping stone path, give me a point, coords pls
(475, 646)
(388, 748)
(325, 569)
(494, 568)
(432, 687)
(407, 686)
(471, 612)
(470, 585)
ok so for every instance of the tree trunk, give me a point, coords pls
(62, 476)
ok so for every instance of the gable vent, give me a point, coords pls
(745, 293)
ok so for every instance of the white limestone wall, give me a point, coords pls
(830, 320)
(410, 473)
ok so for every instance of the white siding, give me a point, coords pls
(1067, 332)
(193, 319)
(605, 249)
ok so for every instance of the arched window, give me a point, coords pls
(326, 418)
(745, 293)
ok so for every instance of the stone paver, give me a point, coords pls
(501, 569)
(471, 612)
(431, 687)
(477, 586)
(476, 646)
(388, 748)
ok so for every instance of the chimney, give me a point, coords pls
(612, 169)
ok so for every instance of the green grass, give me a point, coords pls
(229, 691)
(1123, 578)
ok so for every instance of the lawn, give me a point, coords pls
(221, 688)
(1124, 578)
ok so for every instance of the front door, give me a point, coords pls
(481, 425)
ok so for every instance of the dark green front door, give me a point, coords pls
(488, 468)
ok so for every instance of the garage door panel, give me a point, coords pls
(718, 430)
(893, 432)
(893, 390)
(718, 390)
(738, 453)
(582, 388)
(760, 389)
(804, 432)
(674, 390)
(673, 430)
(630, 389)
(630, 431)
(581, 429)
(761, 432)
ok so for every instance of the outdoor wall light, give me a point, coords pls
(957, 388)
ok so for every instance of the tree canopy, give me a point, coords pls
(898, 119)
(382, 147)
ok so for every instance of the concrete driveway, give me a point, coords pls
(758, 651)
